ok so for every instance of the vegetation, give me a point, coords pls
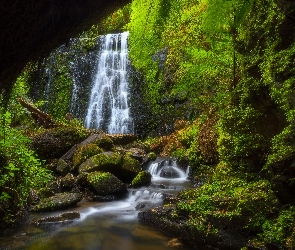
(218, 78)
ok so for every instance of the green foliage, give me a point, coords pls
(20, 172)
(280, 230)
(228, 198)
(85, 152)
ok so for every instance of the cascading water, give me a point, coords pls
(110, 225)
(108, 106)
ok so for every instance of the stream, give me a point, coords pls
(106, 225)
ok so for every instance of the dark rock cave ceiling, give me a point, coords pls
(30, 29)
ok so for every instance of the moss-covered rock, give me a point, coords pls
(107, 161)
(130, 168)
(104, 183)
(58, 201)
(105, 143)
(85, 152)
(123, 139)
(142, 178)
(53, 143)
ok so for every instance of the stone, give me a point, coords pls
(105, 183)
(58, 201)
(63, 167)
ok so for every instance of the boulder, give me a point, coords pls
(58, 201)
(63, 167)
(67, 183)
(107, 161)
(53, 143)
(130, 168)
(142, 178)
(67, 216)
(104, 183)
(123, 139)
(85, 152)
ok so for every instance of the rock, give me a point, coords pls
(85, 152)
(104, 197)
(63, 167)
(105, 142)
(69, 155)
(122, 139)
(105, 183)
(53, 143)
(58, 201)
(68, 182)
(67, 216)
(107, 161)
(161, 219)
(130, 168)
(142, 178)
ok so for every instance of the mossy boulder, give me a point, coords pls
(130, 168)
(123, 139)
(141, 179)
(104, 183)
(85, 152)
(105, 162)
(105, 143)
(58, 201)
(53, 143)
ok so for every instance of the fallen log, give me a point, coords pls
(43, 119)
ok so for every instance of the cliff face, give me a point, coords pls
(31, 29)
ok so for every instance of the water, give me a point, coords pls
(105, 225)
(108, 106)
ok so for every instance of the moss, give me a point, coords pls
(105, 142)
(142, 178)
(85, 152)
(130, 163)
(152, 156)
(101, 162)
(104, 183)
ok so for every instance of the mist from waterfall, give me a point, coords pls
(108, 107)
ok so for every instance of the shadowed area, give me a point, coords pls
(31, 29)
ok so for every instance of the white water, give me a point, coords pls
(108, 105)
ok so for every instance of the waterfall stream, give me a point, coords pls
(107, 225)
(108, 105)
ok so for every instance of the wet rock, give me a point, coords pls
(67, 216)
(130, 168)
(105, 183)
(104, 197)
(58, 201)
(169, 173)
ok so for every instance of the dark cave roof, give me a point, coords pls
(30, 29)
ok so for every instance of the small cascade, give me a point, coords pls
(168, 169)
(108, 106)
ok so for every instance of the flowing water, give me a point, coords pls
(108, 106)
(106, 225)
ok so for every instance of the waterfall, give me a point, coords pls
(108, 105)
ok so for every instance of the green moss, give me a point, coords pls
(96, 178)
(85, 152)
(152, 156)
(130, 163)
(141, 179)
(106, 143)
